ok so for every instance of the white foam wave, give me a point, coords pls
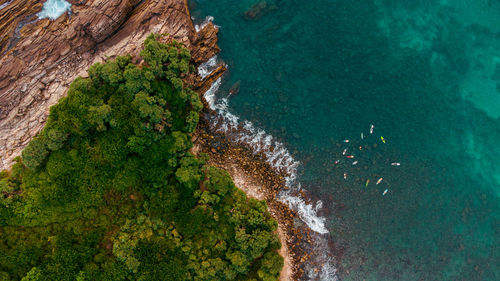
(307, 213)
(327, 270)
(280, 159)
(275, 152)
(207, 67)
(204, 23)
(53, 9)
(210, 93)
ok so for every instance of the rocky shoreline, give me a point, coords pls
(252, 174)
(41, 58)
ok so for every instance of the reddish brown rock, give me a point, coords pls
(205, 43)
(39, 60)
(12, 16)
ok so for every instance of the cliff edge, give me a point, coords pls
(39, 58)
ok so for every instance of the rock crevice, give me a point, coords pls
(48, 55)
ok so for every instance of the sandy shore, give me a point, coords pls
(255, 190)
(257, 179)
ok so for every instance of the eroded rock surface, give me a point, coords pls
(39, 60)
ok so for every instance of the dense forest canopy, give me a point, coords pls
(109, 190)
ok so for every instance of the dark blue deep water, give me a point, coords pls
(426, 74)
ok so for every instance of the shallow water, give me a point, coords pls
(427, 75)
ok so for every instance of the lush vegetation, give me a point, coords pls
(109, 190)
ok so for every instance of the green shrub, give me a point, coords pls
(110, 191)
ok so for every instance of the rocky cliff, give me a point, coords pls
(40, 58)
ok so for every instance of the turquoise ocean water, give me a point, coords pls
(426, 74)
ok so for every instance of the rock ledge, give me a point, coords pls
(40, 58)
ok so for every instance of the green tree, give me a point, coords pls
(35, 153)
(271, 265)
(99, 116)
(109, 190)
(34, 274)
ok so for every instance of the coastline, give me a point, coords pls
(257, 179)
(264, 169)
(49, 54)
(249, 171)
(254, 189)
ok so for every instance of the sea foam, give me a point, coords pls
(275, 152)
(53, 9)
(205, 22)
(207, 67)
(280, 159)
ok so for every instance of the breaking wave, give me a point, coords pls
(280, 159)
(205, 22)
(276, 155)
(53, 9)
(206, 68)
